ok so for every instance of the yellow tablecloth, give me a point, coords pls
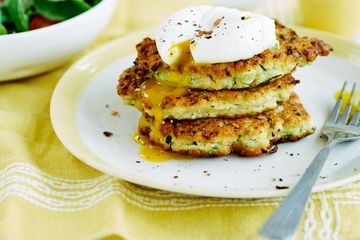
(46, 193)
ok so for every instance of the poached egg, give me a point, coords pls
(207, 34)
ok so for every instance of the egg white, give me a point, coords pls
(215, 34)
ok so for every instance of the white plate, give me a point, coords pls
(81, 110)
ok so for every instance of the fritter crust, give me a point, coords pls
(294, 51)
(194, 104)
(248, 136)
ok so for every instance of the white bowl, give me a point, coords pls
(37, 51)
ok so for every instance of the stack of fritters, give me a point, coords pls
(245, 106)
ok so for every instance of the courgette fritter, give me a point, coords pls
(247, 136)
(159, 100)
(272, 63)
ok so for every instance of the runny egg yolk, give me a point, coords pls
(181, 54)
(155, 92)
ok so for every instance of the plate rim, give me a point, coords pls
(94, 161)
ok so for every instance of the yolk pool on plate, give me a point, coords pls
(154, 153)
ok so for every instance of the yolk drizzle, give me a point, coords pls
(155, 92)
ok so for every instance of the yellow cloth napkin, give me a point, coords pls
(46, 193)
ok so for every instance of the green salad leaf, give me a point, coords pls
(3, 18)
(2, 29)
(93, 2)
(60, 10)
(19, 13)
(16, 15)
(2, 6)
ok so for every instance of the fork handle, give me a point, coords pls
(285, 219)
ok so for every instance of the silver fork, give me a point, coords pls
(284, 221)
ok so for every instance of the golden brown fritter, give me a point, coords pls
(248, 136)
(182, 103)
(294, 51)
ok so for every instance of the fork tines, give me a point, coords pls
(356, 117)
(345, 116)
(343, 119)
